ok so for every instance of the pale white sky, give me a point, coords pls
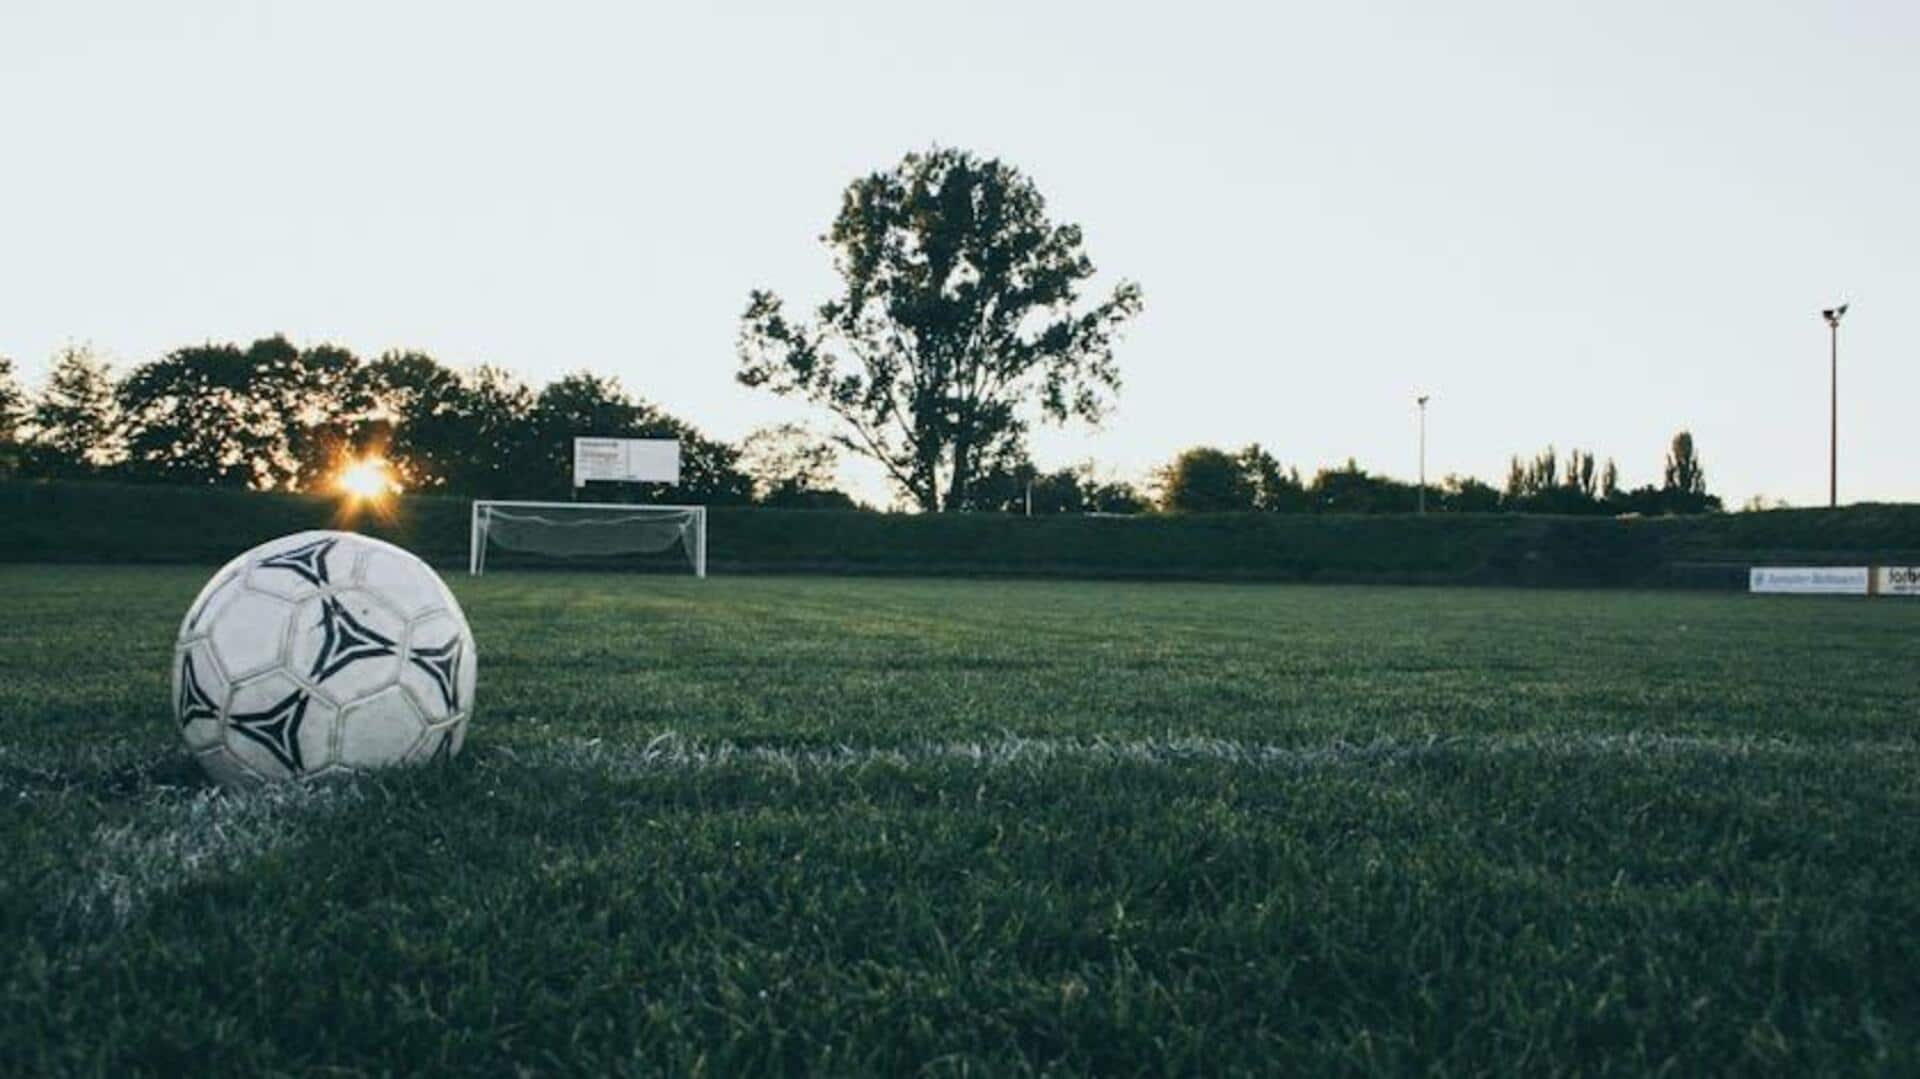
(1582, 223)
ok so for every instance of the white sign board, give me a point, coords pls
(1897, 580)
(626, 460)
(1809, 580)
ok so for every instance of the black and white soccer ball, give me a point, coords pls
(319, 654)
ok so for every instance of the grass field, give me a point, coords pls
(954, 827)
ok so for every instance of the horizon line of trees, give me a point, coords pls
(274, 416)
(1206, 479)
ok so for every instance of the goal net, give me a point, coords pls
(599, 532)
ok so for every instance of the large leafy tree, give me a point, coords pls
(452, 431)
(960, 316)
(189, 418)
(423, 407)
(1204, 480)
(76, 417)
(270, 415)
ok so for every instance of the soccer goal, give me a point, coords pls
(589, 530)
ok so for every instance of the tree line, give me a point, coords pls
(274, 416)
(1209, 480)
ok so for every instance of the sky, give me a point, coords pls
(1579, 224)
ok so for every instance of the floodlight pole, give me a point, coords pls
(1833, 316)
(1422, 399)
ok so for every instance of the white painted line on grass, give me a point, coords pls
(672, 751)
(179, 836)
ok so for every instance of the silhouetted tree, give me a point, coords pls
(13, 412)
(271, 415)
(1684, 485)
(1116, 496)
(1351, 489)
(960, 314)
(1465, 494)
(424, 406)
(13, 402)
(1204, 480)
(789, 465)
(1684, 474)
(1273, 489)
(75, 418)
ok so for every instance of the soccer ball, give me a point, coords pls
(319, 654)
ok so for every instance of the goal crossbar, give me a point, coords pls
(487, 511)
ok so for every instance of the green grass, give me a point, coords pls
(849, 826)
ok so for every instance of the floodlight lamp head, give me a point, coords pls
(1423, 400)
(1834, 314)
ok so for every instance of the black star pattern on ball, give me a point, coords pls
(344, 640)
(442, 664)
(194, 702)
(277, 728)
(309, 560)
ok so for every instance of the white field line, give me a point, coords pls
(181, 836)
(673, 752)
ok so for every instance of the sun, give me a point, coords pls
(367, 479)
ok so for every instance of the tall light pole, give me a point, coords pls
(1422, 399)
(1833, 316)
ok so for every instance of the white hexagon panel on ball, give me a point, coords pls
(318, 654)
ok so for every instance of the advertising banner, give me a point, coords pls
(626, 460)
(1810, 580)
(1897, 580)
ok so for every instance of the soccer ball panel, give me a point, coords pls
(441, 743)
(199, 695)
(218, 589)
(278, 727)
(347, 644)
(397, 576)
(301, 565)
(381, 730)
(438, 651)
(249, 633)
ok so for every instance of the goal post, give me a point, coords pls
(586, 530)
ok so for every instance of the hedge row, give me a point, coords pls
(89, 522)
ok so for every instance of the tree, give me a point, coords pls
(1684, 475)
(1273, 490)
(1204, 480)
(423, 404)
(13, 402)
(466, 433)
(13, 412)
(76, 419)
(1353, 490)
(1116, 496)
(271, 415)
(491, 428)
(187, 416)
(960, 315)
(1684, 485)
(788, 464)
(1465, 494)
